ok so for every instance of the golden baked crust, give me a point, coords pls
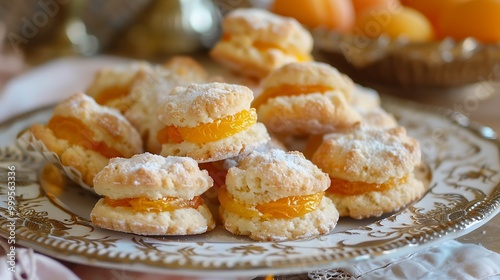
(203, 103)
(246, 27)
(374, 204)
(310, 74)
(152, 176)
(122, 79)
(367, 154)
(378, 117)
(265, 26)
(314, 113)
(234, 145)
(87, 162)
(108, 124)
(318, 222)
(186, 68)
(182, 221)
(364, 99)
(152, 92)
(263, 177)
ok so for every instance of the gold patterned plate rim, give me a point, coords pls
(463, 194)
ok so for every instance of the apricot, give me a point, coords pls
(143, 204)
(479, 19)
(216, 130)
(361, 6)
(332, 14)
(432, 9)
(284, 208)
(404, 22)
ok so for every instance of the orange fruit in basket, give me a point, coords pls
(479, 19)
(403, 22)
(432, 9)
(332, 14)
(364, 5)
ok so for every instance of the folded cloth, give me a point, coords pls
(449, 260)
(23, 263)
(51, 83)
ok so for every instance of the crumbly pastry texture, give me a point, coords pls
(368, 154)
(203, 103)
(119, 78)
(242, 142)
(310, 74)
(263, 177)
(182, 221)
(378, 117)
(152, 176)
(320, 221)
(87, 162)
(364, 99)
(247, 27)
(265, 26)
(314, 113)
(108, 124)
(374, 203)
(152, 92)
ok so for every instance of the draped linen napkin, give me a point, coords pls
(58, 79)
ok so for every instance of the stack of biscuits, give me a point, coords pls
(154, 140)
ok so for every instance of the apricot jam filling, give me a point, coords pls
(284, 208)
(343, 187)
(76, 132)
(164, 204)
(112, 93)
(287, 90)
(264, 46)
(209, 132)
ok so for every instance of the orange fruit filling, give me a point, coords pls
(143, 204)
(111, 93)
(264, 46)
(284, 208)
(287, 90)
(76, 132)
(343, 187)
(209, 132)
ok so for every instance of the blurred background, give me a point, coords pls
(424, 43)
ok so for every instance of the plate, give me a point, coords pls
(51, 215)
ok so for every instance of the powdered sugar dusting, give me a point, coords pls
(262, 19)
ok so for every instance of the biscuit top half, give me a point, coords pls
(305, 74)
(101, 124)
(203, 103)
(263, 177)
(153, 177)
(370, 155)
(259, 25)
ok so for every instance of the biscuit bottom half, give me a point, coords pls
(377, 203)
(320, 221)
(182, 221)
(241, 142)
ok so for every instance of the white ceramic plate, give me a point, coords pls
(52, 214)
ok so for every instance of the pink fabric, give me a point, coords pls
(30, 265)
